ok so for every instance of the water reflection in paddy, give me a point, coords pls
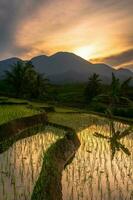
(20, 166)
(98, 172)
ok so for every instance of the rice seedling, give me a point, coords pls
(20, 166)
(93, 174)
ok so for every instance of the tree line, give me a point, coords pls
(23, 81)
(116, 93)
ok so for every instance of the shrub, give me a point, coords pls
(124, 112)
(98, 107)
(47, 108)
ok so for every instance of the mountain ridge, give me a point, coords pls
(68, 67)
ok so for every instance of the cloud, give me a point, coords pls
(120, 59)
(16, 14)
(127, 66)
(12, 14)
(30, 27)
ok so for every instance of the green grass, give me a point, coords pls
(38, 104)
(75, 121)
(57, 108)
(66, 109)
(69, 93)
(8, 113)
(12, 100)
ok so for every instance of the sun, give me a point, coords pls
(85, 52)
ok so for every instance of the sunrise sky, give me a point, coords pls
(97, 30)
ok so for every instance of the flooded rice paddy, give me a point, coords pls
(103, 166)
(20, 166)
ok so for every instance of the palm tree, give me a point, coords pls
(40, 86)
(114, 93)
(125, 87)
(29, 79)
(93, 87)
(15, 77)
(25, 81)
(117, 92)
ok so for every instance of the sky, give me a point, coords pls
(97, 30)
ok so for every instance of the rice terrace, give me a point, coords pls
(69, 155)
(66, 99)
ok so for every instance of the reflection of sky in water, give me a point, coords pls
(93, 175)
(21, 164)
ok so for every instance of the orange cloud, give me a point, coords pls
(56, 25)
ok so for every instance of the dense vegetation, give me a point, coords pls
(23, 81)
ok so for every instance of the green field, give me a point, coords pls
(8, 112)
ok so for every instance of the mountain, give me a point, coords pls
(40, 62)
(123, 73)
(6, 64)
(60, 63)
(67, 67)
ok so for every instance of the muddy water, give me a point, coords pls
(20, 166)
(103, 167)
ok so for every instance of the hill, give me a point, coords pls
(64, 67)
(6, 64)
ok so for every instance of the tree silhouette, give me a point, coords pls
(125, 87)
(29, 80)
(117, 93)
(114, 93)
(15, 77)
(93, 87)
(40, 86)
(25, 81)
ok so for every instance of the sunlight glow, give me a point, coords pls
(85, 52)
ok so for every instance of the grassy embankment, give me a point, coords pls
(73, 95)
(25, 108)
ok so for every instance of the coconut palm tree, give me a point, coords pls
(25, 81)
(114, 92)
(125, 87)
(15, 77)
(40, 86)
(117, 93)
(93, 87)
